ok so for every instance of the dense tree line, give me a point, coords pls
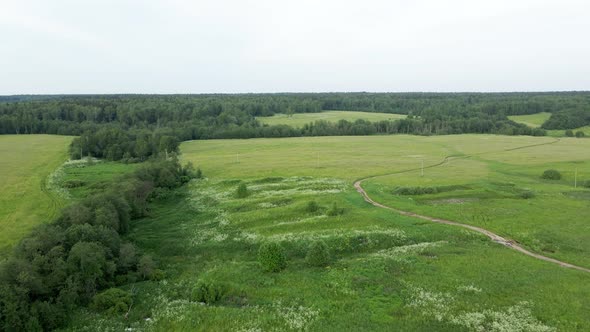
(63, 264)
(568, 119)
(138, 126)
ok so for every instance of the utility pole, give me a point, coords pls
(422, 170)
(318, 162)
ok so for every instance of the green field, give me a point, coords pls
(301, 119)
(387, 271)
(531, 120)
(25, 201)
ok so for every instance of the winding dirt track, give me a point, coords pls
(493, 236)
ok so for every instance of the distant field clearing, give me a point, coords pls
(300, 119)
(25, 163)
(531, 120)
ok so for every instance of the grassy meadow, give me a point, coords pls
(387, 271)
(301, 119)
(26, 161)
(531, 120)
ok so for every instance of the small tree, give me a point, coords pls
(272, 257)
(312, 207)
(569, 133)
(580, 134)
(318, 254)
(113, 301)
(146, 266)
(242, 191)
(551, 174)
(334, 210)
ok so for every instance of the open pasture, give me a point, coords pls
(531, 120)
(387, 271)
(26, 161)
(301, 119)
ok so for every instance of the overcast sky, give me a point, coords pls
(176, 46)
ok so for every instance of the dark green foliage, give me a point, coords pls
(73, 184)
(318, 254)
(551, 174)
(527, 194)
(334, 210)
(146, 267)
(568, 118)
(242, 191)
(312, 207)
(113, 301)
(64, 264)
(209, 292)
(580, 134)
(415, 190)
(271, 257)
(569, 133)
(586, 184)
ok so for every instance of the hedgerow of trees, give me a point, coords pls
(64, 264)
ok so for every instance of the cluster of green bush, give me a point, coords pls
(273, 258)
(410, 191)
(551, 174)
(63, 264)
(578, 134)
(333, 210)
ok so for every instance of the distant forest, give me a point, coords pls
(138, 126)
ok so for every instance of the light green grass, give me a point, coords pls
(25, 163)
(300, 119)
(531, 120)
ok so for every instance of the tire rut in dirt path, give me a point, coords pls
(493, 236)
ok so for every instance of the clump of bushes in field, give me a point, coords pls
(411, 191)
(242, 191)
(334, 210)
(415, 190)
(527, 194)
(551, 174)
(318, 254)
(586, 184)
(113, 301)
(312, 207)
(272, 257)
(209, 292)
(73, 184)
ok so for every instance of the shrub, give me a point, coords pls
(415, 190)
(569, 133)
(312, 207)
(527, 194)
(318, 254)
(113, 301)
(272, 257)
(551, 174)
(74, 183)
(334, 210)
(209, 292)
(586, 184)
(242, 191)
(580, 134)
